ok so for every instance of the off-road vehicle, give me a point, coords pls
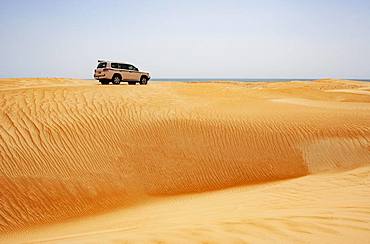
(116, 72)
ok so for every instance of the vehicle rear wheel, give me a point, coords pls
(104, 82)
(132, 82)
(143, 80)
(116, 80)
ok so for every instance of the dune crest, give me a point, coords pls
(73, 150)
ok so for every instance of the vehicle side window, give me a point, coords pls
(131, 67)
(102, 65)
(114, 65)
(124, 66)
(121, 66)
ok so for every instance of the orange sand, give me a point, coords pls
(81, 162)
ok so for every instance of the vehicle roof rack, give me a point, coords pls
(100, 61)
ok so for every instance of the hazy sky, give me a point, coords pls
(187, 39)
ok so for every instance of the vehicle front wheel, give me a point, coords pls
(116, 80)
(143, 80)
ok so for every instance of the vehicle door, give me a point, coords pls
(100, 69)
(123, 68)
(135, 74)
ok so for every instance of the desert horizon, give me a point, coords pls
(184, 162)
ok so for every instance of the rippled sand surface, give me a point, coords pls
(179, 162)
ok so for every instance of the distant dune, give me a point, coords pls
(83, 162)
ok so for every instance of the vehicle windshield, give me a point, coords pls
(102, 65)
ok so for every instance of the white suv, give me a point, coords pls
(115, 72)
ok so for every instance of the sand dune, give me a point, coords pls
(323, 208)
(72, 148)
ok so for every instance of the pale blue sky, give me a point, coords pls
(187, 39)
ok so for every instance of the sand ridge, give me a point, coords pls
(73, 148)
